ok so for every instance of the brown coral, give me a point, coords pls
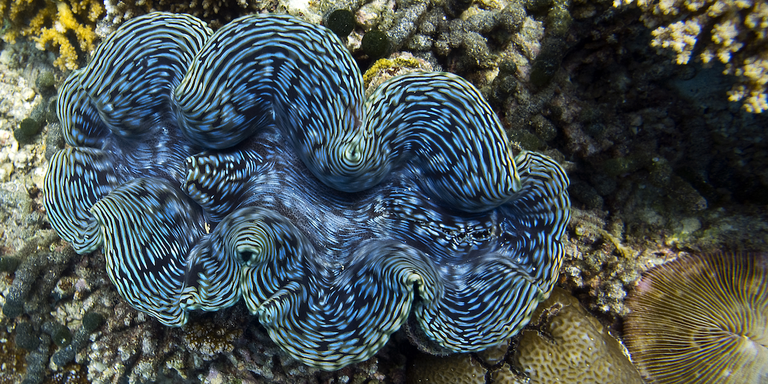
(453, 369)
(575, 347)
(565, 345)
(211, 338)
(11, 359)
(702, 319)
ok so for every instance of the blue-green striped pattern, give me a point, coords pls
(246, 163)
(112, 93)
(277, 70)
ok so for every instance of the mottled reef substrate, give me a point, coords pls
(660, 164)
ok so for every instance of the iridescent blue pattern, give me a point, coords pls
(246, 163)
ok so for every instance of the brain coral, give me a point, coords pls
(578, 348)
(246, 163)
(702, 319)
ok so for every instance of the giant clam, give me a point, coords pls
(245, 163)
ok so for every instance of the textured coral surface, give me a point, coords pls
(52, 24)
(572, 347)
(711, 310)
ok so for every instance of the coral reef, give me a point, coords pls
(571, 346)
(214, 12)
(730, 31)
(702, 319)
(458, 368)
(597, 260)
(137, 349)
(72, 28)
(37, 261)
(25, 304)
(19, 161)
(210, 338)
(12, 359)
(64, 21)
(130, 347)
(50, 26)
(492, 365)
(661, 165)
(479, 39)
(396, 65)
(563, 343)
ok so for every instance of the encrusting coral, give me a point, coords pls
(457, 369)
(576, 348)
(733, 31)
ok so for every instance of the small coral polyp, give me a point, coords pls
(246, 163)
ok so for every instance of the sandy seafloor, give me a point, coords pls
(661, 166)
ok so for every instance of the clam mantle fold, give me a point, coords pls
(246, 163)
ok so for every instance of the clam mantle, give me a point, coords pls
(246, 163)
